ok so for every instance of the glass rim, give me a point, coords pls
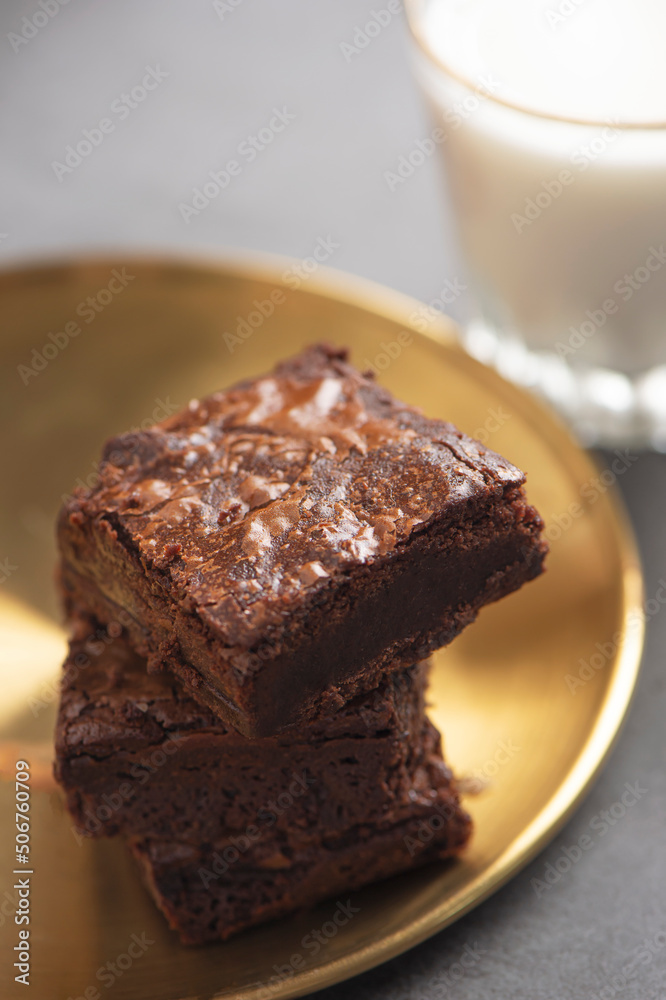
(413, 8)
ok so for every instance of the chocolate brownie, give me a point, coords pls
(206, 898)
(283, 545)
(230, 832)
(136, 754)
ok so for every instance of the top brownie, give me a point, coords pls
(284, 544)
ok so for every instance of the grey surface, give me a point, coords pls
(324, 177)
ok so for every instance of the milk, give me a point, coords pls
(558, 180)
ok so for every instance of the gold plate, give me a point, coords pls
(152, 337)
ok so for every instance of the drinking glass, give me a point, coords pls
(551, 122)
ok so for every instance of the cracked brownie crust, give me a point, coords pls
(283, 545)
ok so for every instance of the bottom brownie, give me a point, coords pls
(205, 898)
(233, 831)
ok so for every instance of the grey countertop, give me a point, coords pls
(220, 71)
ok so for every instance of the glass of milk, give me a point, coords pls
(551, 117)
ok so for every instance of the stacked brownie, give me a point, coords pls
(252, 585)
